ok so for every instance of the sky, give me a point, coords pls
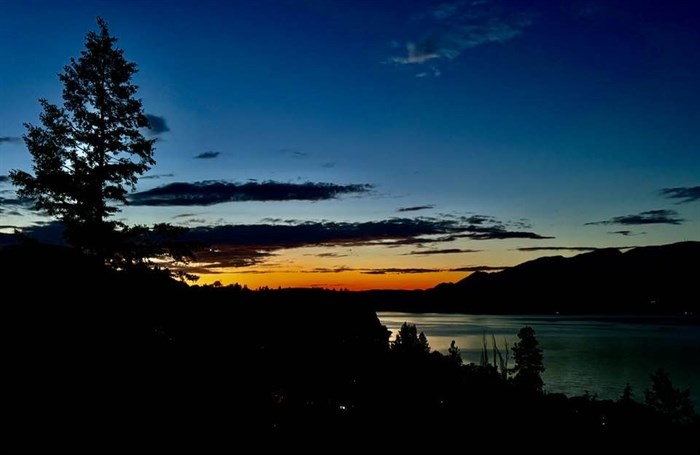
(384, 144)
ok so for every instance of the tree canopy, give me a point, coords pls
(89, 151)
(408, 341)
(528, 361)
(663, 397)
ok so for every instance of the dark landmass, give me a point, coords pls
(97, 360)
(658, 280)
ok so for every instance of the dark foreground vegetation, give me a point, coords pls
(100, 360)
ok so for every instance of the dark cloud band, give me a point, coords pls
(10, 139)
(648, 217)
(415, 208)
(684, 194)
(217, 192)
(158, 124)
(207, 155)
(443, 251)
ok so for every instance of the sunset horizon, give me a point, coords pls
(384, 146)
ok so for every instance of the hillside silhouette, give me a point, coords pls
(643, 280)
(104, 360)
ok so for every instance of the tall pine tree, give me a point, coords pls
(87, 152)
(529, 364)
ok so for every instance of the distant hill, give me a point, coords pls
(653, 279)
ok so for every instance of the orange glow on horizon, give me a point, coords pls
(352, 280)
(356, 268)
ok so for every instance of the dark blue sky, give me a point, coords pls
(548, 117)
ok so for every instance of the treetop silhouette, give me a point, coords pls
(409, 342)
(528, 357)
(88, 151)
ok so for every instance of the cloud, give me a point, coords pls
(399, 271)
(648, 217)
(417, 53)
(498, 233)
(477, 268)
(434, 72)
(10, 140)
(207, 155)
(329, 255)
(215, 192)
(626, 233)
(443, 251)
(226, 256)
(158, 124)
(415, 208)
(156, 176)
(328, 165)
(451, 28)
(294, 153)
(386, 232)
(557, 248)
(478, 219)
(4, 178)
(685, 194)
(471, 268)
(16, 202)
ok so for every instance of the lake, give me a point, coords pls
(581, 353)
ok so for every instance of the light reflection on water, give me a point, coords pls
(594, 354)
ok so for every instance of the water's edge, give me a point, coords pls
(594, 354)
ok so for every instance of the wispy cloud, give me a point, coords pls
(452, 28)
(329, 255)
(443, 251)
(16, 202)
(684, 194)
(478, 268)
(401, 271)
(156, 176)
(230, 256)
(434, 72)
(207, 155)
(415, 208)
(294, 153)
(10, 140)
(417, 53)
(216, 192)
(649, 217)
(557, 248)
(626, 233)
(4, 178)
(158, 124)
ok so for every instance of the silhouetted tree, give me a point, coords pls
(90, 149)
(454, 354)
(528, 361)
(668, 400)
(409, 342)
(626, 396)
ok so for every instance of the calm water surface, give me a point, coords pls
(594, 354)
